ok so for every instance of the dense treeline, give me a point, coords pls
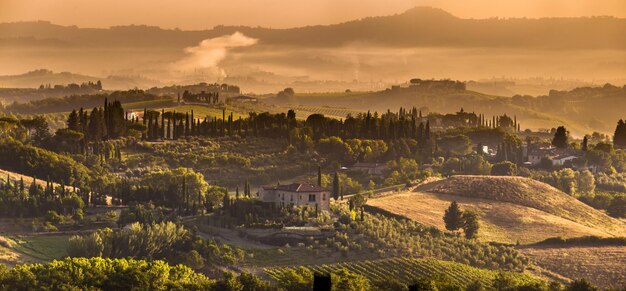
(182, 189)
(20, 200)
(34, 161)
(164, 240)
(102, 274)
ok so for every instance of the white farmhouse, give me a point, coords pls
(301, 194)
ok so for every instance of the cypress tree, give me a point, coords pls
(453, 217)
(336, 187)
(619, 137)
(319, 176)
(560, 137)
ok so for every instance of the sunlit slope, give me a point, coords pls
(511, 209)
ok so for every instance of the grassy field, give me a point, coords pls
(200, 111)
(511, 209)
(407, 270)
(303, 111)
(159, 103)
(37, 247)
(602, 266)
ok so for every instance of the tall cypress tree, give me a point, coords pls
(560, 138)
(619, 137)
(319, 176)
(336, 187)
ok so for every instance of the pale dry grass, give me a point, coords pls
(602, 266)
(500, 221)
(526, 192)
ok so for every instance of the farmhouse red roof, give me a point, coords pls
(297, 187)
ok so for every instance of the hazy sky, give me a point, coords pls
(201, 14)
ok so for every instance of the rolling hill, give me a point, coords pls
(512, 209)
(417, 27)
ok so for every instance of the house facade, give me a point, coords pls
(558, 157)
(299, 194)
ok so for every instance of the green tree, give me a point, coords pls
(470, 224)
(585, 144)
(453, 217)
(619, 137)
(560, 138)
(505, 168)
(336, 187)
(617, 207)
(73, 121)
(319, 176)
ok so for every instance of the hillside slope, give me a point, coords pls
(512, 209)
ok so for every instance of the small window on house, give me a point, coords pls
(324, 197)
(311, 197)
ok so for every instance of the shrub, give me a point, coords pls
(504, 169)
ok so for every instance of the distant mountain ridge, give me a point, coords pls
(417, 27)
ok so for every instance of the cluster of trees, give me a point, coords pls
(181, 189)
(243, 211)
(567, 180)
(404, 124)
(613, 202)
(204, 97)
(103, 274)
(456, 219)
(163, 240)
(38, 162)
(73, 86)
(20, 200)
(101, 124)
(136, 240)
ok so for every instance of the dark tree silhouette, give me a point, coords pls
(453, 217)
(560, 138)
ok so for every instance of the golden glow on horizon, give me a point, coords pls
(202, 14)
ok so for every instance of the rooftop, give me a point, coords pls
(297, 187)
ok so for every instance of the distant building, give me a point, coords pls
(242, 99)
(561, 160)
(558, 157)
(370, 168)
(300, 194)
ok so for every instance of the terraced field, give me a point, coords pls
(407, 270)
